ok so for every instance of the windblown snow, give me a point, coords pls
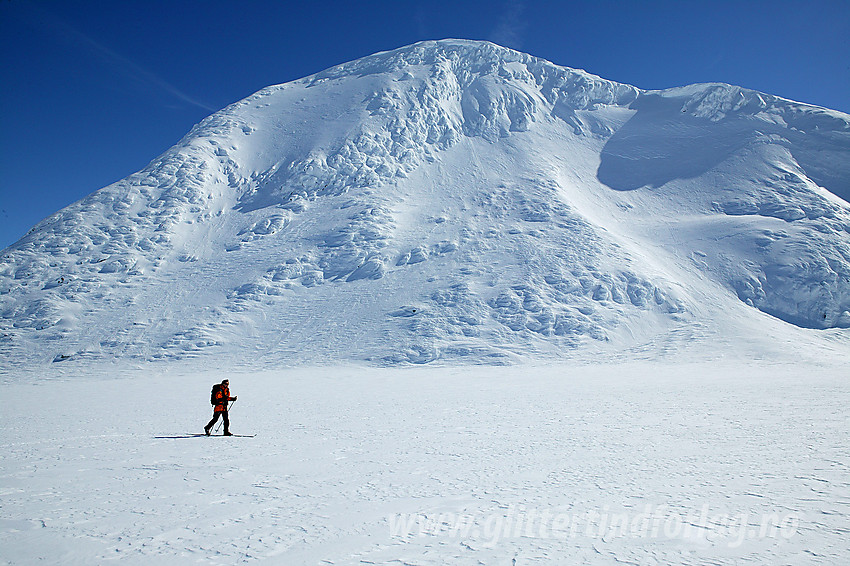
(451, 200)
(664, 274)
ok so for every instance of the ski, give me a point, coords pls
(202, 435)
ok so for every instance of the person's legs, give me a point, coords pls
(213, 421)
(226, 423)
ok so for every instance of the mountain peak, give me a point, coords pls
(452, 200)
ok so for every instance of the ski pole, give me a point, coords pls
(222, 420)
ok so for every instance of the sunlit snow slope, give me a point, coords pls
(455, 201)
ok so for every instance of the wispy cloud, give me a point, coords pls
(138, 72)
(112, 58)
(510, 26)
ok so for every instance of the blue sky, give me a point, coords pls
(94, 90)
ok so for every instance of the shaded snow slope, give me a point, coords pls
(453, 200)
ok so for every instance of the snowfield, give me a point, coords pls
(477, 308)
(725, 463)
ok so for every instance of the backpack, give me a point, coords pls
(216, 388)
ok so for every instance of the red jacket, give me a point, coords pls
(222, 396)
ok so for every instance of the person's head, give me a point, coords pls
(225, 382)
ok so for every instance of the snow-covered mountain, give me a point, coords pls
(458, 201)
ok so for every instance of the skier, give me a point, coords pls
(220, 397)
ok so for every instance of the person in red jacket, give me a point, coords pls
(220, 397)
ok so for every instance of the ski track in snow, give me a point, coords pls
(340, 451)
